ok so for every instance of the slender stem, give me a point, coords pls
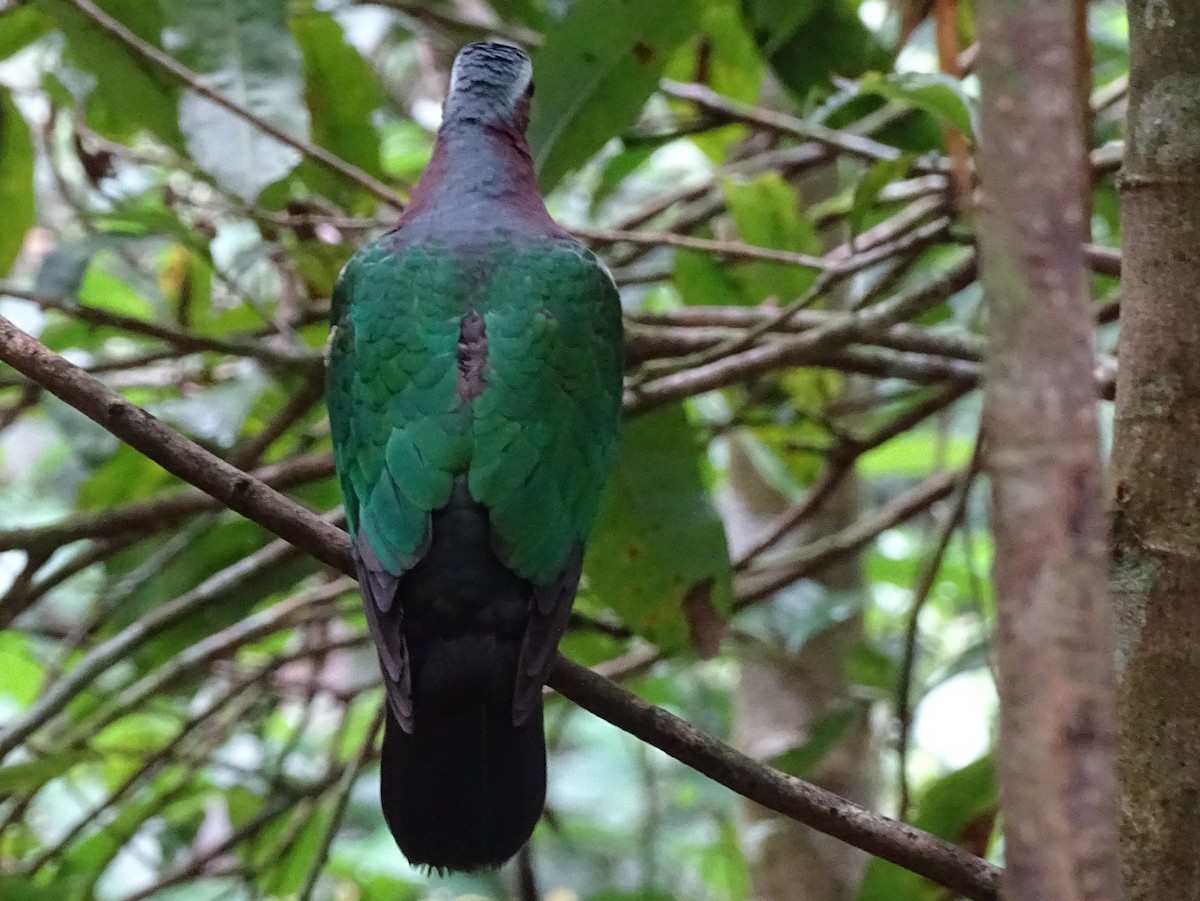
(196, 82)
(341, 799)
(827, 812)
(922, 586)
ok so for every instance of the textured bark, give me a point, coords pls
(1156, 458)
(1053, 640)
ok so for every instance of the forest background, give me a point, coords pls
(859, 494)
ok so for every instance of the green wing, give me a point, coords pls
(545, 427)
(399, 434)
(536, 444)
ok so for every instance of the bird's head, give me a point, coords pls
(491, 85)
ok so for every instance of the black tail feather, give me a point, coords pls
(466, 790)
(464, 787)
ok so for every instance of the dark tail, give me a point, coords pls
(465, 791)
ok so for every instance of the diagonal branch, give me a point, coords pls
(180, 339)
(918, 851)
(176, 454)
(804, 802)
(196, 83)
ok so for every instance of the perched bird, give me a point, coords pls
(474, 390)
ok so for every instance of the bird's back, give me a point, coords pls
(474, 389)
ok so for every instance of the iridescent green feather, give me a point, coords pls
(554, 370)
(539, 440)
(398, 431)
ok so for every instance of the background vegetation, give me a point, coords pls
(794, 556)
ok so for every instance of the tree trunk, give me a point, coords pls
(1054, 645)
(1156, 459)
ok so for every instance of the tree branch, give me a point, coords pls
(923, 853)
(804, 802)
(196, 82)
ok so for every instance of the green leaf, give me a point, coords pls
(16, 180)
(722, 865)
(867, 191)
(406, 149)
(342, 94)
(124, 476)
(528, 12)
(129, 94)
(63, 268)
(18, 888)
(22, 672)
(597, 68)
(951, 808)
(809, 41)
(722, 55)
(103, 289)
(658, 557)
(20, 27)
(702, 280)
(869, 666)
(20, 777)
(244, 50)
(734, 68)
(936, 93)
(823, 737)
(915, 453)
(766, 212)
(282, 877)
(143, 731)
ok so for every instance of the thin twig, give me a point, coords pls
(196, 82)
(908, 847)
(922, 586)
(781, 123)
(342, 797)
(730, 249)
(758, 584)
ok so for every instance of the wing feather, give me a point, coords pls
(536, 443)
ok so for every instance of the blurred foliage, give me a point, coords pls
(205, 761)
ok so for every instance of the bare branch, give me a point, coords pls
(195, 82)
(911, 848)
(804, 802)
